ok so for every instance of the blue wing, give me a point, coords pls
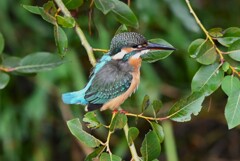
(78, 97)
(110, 82)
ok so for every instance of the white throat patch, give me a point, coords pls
(136, 56)
(121, 54)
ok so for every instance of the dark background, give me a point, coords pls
(32, 116)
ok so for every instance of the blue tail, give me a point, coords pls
(75, 97)
(78, 96)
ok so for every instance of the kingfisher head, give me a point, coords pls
(128, 45)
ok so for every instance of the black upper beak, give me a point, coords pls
(154, 46)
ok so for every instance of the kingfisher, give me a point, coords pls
(116, 75)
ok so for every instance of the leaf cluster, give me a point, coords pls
(219, 68)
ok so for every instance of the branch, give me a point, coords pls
(79, 32)
(148, 118)
(132, 146)
(219, 52)
(204, 30)
(6, 69)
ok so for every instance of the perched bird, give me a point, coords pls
(116, 75)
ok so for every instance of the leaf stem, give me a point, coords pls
(79, 32)
(6, 69)
(109, 135)
(132, 148)
(220, 53)
(204, 30)
(148, 118)
(100, 50)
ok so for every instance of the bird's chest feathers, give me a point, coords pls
(135, 63)
(135, 66)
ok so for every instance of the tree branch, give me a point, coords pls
(132, 146)
(79, 32)
(219, 52)
(204, 30)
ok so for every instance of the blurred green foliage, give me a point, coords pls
(32, 116)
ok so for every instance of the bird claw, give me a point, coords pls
(123, 111)
(115, 111)
(120, 111)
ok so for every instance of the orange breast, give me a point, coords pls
(116, 102)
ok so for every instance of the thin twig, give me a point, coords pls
(204, 30)
(109, 135)
(101, 50)
(6, 69)
(79, 32)
(129, 3)
(147, 118)
(219, 52)
(132, 148)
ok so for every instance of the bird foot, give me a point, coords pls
(115, 111)
(123, 111)
(120, 111)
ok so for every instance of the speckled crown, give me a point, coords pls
(126, 39)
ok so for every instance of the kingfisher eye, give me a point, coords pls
(135, 46)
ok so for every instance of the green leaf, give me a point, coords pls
(182, 110)
(122, 28)
(157, 105)
(193, 48)
(73, 4)
(67, 22)
(151, 147)
(1, 43)
(207, 79)
(158, 130)
(209, 57)
(145, 103)
(33, 9)
(232, 109)
(216, 32)
(124, 14)
(234, 50)
(4, 79)
(132, 134)
(230, 84)
(91, 119)
(225, 66)
(107, 157)
(95, 153)
(11, 61)
(50, 8)
(61, 40)
(203, 51)
(75, 127)
(37, 62)
(48, 12)
(230, 35)
(47, 17)
(118, 122)
(156, 55)
(120, 10)
(104, 5)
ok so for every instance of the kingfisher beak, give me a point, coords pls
(154, 46)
